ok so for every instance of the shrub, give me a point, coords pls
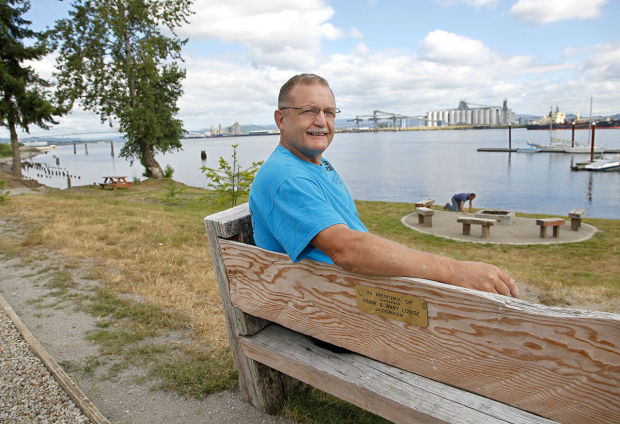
(5, 150)
(168, 171)
(230, 181)
(4, 194)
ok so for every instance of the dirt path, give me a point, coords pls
(61, 328)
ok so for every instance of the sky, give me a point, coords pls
(401, 56)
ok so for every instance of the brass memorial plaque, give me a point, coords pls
(393, 305)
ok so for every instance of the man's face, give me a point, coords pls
(307, 135)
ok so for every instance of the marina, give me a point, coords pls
(391, 166)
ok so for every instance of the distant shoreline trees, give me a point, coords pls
(114, 60)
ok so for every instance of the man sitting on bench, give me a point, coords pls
(300, 206)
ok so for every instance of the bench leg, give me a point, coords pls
(543, 231)
(486, 230)
(556, 231)
(575, 223)
(420, 219)
(428, 221)
(466, 229)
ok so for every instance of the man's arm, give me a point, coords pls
(366, 253)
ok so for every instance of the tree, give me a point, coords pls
(24, 94)
(230, 181)
(116, 62)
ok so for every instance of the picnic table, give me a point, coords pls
(115, 182)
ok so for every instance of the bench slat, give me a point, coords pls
(231, 222)
(560, 363)
(425, 202)
(424, 211)
(550, 222)
(394, 394)
(479, 221)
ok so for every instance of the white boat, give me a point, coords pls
(603, 165)
(555, 145)
(529, 149)
(584, 149)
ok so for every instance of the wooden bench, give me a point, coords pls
(575, 218)
(115, 182)
(425, 216)
(484, 223)
(426, 203)
(549, 222)
(421, 351)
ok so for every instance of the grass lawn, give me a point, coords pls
(150, 240)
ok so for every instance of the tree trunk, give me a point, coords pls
(17, 160)
(153, 170)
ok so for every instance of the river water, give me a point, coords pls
(393, 166)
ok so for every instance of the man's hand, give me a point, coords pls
(485, 277)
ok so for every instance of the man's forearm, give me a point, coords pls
(373, 255)
(366, 253)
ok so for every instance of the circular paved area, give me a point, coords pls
(520, 231)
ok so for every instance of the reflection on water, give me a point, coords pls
(398, 166)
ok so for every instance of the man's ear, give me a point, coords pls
(278, 116)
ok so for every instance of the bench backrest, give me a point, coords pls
(559, 363)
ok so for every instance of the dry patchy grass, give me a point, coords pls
(138, 240)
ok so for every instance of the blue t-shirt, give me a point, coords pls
(461, 197)
(292, 200)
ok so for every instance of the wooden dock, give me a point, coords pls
(507, 150)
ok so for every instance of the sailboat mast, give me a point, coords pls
(590, 123)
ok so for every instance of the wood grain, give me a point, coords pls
(259, 385)
(397, 395)
(559, 363)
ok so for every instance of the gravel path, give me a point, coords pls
(29, 392)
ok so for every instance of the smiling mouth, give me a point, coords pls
(318, 132)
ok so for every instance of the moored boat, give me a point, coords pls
(603, 165)
(584, 149)
(529, 149)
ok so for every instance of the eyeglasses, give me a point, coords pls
(309, 110)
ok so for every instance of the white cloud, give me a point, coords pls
(445, 47)
(473, 3)
(275, 32)
(548, 11)
(356, 33)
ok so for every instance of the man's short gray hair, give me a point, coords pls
(306, 79)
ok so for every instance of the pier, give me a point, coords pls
(542, 150)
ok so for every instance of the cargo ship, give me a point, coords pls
(579, 125)
(557, 121)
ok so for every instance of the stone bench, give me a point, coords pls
(425, 216)
(549, 222)
(575, 218)
(483, 222)
(414, 350)
(426, 203)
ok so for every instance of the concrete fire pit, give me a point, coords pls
(502, 217)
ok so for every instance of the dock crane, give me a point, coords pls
(359, 119)
(379, 115)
